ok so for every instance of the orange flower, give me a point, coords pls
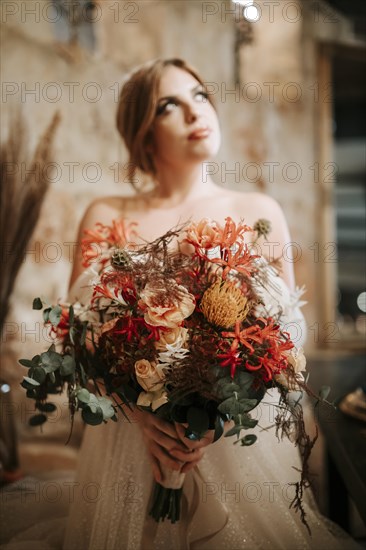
(242, 261)
(232, 233)
(204, 234)
(104, 237)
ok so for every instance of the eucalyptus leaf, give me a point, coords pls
(248, 422)
(244, 379)
(46, 407)
(92, 417)
(235, 430)
(67, 366)
(234, 406)
(37, 419)
(55, 315)
(248, 440)
(51, 360)
(46, 314)
(229, 389)
(83, 395)
(107, 407)
(30, 381)
(37, 303)
(26, 363)
(38, 374)
(52, 377)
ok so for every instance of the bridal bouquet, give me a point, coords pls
(194, 334)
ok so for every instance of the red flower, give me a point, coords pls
(231, 358)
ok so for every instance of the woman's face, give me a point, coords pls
(186, 128)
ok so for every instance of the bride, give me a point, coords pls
(233, 498)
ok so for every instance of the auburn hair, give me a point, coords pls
(136, 112)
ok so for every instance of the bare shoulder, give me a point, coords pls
(106, 209)
(253, 205)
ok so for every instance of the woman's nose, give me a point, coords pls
(192, 113)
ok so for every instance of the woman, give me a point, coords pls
(237, 497)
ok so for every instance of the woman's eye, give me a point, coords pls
(162, 108)
(203, 94)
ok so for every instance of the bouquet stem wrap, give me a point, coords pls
(167, 496)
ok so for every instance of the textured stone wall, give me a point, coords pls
(267, 124)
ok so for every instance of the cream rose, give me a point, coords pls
(164, 310)
(148, 376)
(170, 337)
(153, 399)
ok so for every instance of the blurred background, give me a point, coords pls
(288, 80)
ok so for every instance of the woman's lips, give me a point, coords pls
(200, 133)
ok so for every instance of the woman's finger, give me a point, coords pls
(164, 440)
(158, 476)
(163, 457)
(187, 456)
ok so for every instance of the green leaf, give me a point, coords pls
(83, 395)
(248, 422)
(248, 440)
(83, 334)
(26, 363)
(46, 407)
(219, 428)
(71, 315)
(30, 381)
(244, 379)
(107, 407)
(324, 392)
(92, 417)
(55, 315)
(46, 314)
(67, 366)
(38, 374)
(229, 389)
(235, 430)
(234, 406)
(51, 360)
(73, 333)
(37, 303)
(52, 377)
(37, 419)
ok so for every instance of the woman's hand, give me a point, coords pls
(162, 442)
(197, 448)
(166, 447)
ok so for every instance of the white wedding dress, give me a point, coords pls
(238, 498)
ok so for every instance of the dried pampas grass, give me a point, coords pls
(24, 184)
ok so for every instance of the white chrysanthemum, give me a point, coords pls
(173, 352)
(279, 301)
